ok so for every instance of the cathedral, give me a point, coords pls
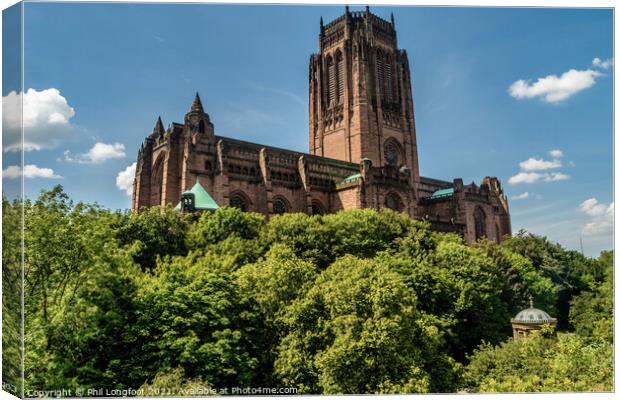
(362, 148)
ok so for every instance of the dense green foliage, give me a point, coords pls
(538, 364)
(11, 296)
(355, 302)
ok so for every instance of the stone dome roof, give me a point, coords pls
(533, 316)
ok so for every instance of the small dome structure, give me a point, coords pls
(533, 316)
(530, 319)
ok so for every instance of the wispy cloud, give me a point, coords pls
(525, 177)
(531, 170)
(538, 164)
(556, 176)
(521, 196)
(262, 88)
(603, 64)
(29, 171)
(533, 177)
(242, 118)
(556, 153)
(98, 154)
(555, 89)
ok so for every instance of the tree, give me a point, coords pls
(520, 279)
(457, 284)
(273, 284)
(307, 236)
(78, 295)
(152, 233)
(11, 295)
(192, 315)
(364, 232)
(564, 268)
(228, 232)
(357, 330)
(567, 363)
(591, 313)
(174, 383)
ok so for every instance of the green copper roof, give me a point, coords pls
(351, 178)
(203, 201)
(442, 193)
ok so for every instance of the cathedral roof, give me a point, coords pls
(351, 178)
(442, 193)
(202, 199)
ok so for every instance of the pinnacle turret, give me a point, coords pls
(159, 127)
(197, 105)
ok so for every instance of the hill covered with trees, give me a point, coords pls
(355, 302)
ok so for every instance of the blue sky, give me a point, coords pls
(119, 66)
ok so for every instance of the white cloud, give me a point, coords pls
(525, 177)
(533, 164)
(531, 171)
(30, 171)
(556, 153)
(533, 177)
(99, 153)
(556, 176)
(603, 64)
(601, 216)
(592, 207)
(46, 119)
(124, 179)
(554, 89)
(521, 196)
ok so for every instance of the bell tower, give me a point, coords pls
(361, 103)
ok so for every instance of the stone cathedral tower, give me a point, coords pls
(361, 104)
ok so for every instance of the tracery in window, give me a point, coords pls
(479, 223)
(391, 153)
(392, 201)
(279, 206)
(239, 201)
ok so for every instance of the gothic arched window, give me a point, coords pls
(157, 181)
(331, 81)
(317, 209)
(279, 206)
(392, 201)
(479, 223)
(238, 201)
(340, 77)
(389, 83)
(380, 67)
(391, 153)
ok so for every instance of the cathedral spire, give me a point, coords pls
(159, 127)
(197, 104)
